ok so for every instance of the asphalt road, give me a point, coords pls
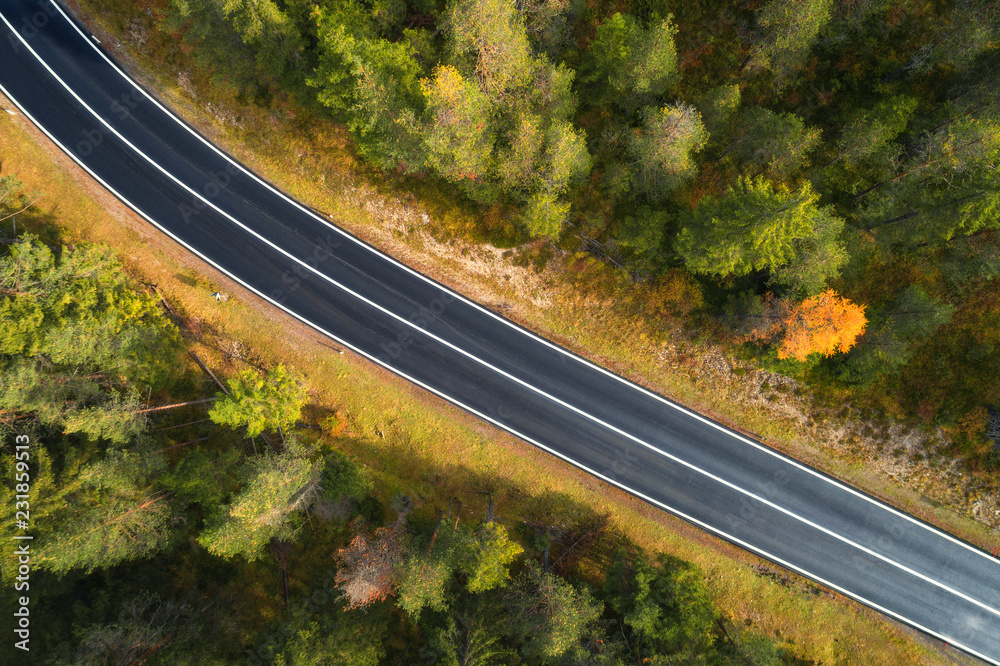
(680, 461)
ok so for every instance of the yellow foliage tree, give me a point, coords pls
(823, 324)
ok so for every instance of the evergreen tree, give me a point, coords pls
(78, 343)
(894, 332)
(275, 486)
(868, 130)
(260, 403)
(950, 187)
(106, 512)
(789, 31)
(146, 626)
(664, 604)
(629, 64)
(333, 634)
(549, 612)
(775, 144)
(718, 106)
(373, 84)
(756, 226)
(260, 24)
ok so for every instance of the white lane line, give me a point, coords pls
(493, 368)
(517, 327)
(374, 359)
(486, 364)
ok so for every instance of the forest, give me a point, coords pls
(812, 182)
(164, 534)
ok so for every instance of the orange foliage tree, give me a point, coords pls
(824, 324)
(370, 565)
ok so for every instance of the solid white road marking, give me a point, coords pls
(517, 327)
(754, 549)
(490, 366)
(469, 355)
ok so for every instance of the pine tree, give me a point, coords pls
(550, 613)
(146, 626)
(329, 633)
(718, 106)
(894, 332)
(260, 403)
(77, 342)
(106, 512)
(663, 603)
(868, 130)
(275, 486)
(789, 30)
(373, 84)
(950, 187)
(775, 144)
(260, 24)
(628, 64)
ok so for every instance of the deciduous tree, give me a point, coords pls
(663, 149)
(459, 135)
(492, 34)
(825, 324)
(370, 567)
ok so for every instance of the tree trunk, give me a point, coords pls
(176, 404)
(435, 534)
(210, 373)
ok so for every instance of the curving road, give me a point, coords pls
(680, 461)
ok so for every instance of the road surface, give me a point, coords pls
(680, 461)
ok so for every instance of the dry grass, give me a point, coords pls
(417, 444)
(575, 300)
